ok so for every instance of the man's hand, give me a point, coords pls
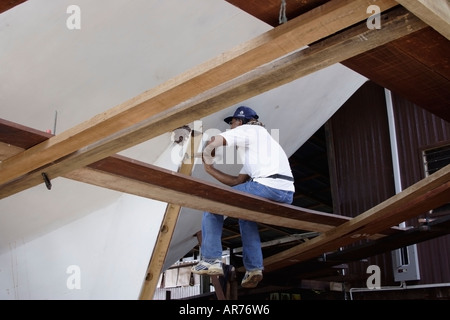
(208, 155)
(210, 149)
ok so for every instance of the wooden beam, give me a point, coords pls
(134, 177)
(436, 13)
(427, 194)
(8, 4)
(435, 228)
(325, 53)
(20, 136)
(127, 175)
(311, 268)
(117, 125)
(7, 151)
(155, 266)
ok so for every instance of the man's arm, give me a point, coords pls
(208, 162)
(225, 178)
(210, 148)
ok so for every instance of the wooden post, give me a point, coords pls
(167, 228)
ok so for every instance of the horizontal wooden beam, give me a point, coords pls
(156, 183)
(147, 111)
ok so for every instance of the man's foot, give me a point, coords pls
(251, 279)
(211, 267)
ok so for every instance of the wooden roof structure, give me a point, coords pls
(87, 152)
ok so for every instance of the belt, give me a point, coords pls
(280, 176)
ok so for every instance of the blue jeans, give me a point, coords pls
(212, 224)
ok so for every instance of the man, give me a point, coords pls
(266, 172)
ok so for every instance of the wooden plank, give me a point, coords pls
(435, 13)
(293, 66)
(7, 150)
(20, 136)
(134, 177)
(309, 269)
(6, 5)
(165, 100)
(425, 195)
(433, 229)
(131, 176)
(156, 183)
(155, 266)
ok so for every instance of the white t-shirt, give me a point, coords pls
(261, 155)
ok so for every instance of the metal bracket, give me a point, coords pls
(47, 181)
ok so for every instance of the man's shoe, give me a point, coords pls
(251, 279)
(209, 267)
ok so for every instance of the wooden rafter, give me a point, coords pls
(427, 194)
(295, 65)
(436, 13)
(182, 99)
(135, 177)
(331, 48)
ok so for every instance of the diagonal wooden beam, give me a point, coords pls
(325, 53)
(427, 194)
(436, 13)
(131, 176)
(146, 111)
(309, 269)
(6, 5)
(155, 266)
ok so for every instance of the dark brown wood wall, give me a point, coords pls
(362, 175)
(417, 130)
(361, 143)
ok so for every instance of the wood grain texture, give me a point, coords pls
(164, 100)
